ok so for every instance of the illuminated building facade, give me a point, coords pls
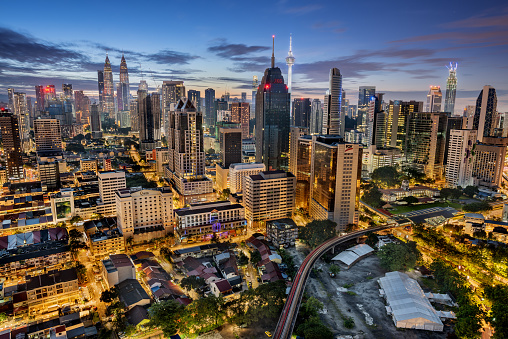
(108, 96)
(451, 88)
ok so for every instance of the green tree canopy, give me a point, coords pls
(372, 239)
(387, 176)
(498, 295)
(192, 282)
(108, 296)
(399, 256)
(255, 257)
(317, 232)
(450, 193)
(372, 197)
(334, 269)
(410, 200)
(477, 207)
(167, 316)
(470, 191)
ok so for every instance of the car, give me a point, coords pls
(268, 334)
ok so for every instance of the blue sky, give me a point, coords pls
(401, 47)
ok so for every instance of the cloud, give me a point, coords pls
(232, 51)
(171, 57)
(332, 26)
(303, 9)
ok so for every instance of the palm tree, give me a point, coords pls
(130, 240)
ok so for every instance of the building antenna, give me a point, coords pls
(273, 51)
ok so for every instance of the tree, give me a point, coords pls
(313, 328)
(477, 207)
(210, 151)
(399, 256)
(96, 216)
(498, 295)
(108, 296)
(317, 232)
(372, 239)
(192, 282)
(334, 269)
(206, 314)
(387, 176)
(413, 174)
(372, 197)
(75, 219)
(81, 270)
(469, 321)
(3, 317)
(410, 200)
(74, 234)
(167, 316)
(471, 191)
(242, 259)
(255, 257)
(130, 240)
(225, 194)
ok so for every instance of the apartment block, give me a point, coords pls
(459, 166)
(282, 232)
(489, 159)
(109, 183)
(117, 268)
(238, 173)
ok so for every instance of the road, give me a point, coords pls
(287, 318)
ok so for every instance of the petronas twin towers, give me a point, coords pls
(106, 88)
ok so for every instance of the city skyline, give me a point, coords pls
(403, 62)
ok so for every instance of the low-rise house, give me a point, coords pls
(118, 268)
(282, 232)
(132, 294)
(221, 287)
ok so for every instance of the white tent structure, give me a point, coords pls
(350, 256)
(407, 304)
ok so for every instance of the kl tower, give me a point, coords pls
(290, 60)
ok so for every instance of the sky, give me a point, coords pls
(401, 47)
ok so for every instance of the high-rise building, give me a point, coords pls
(22, 114)
(294, 136)
(39, 98)
(302, 109)
(238, 173)
(451, 88)
(290, 61)
(12, 144)
(67, 91)
(426, 142)
(79, 101)
(10, 95)
(334, 179)
(303, 163)
(459, 166)
(316, 117)
(100, 82)
(109, 183)
(48, 137)
(172, 92)
(210, 112)
(49, 94)
(148, 106)
(272, 119)
(195, 97)
(95, 122)
(434, 99)
(485, 116)
(134, 115)
(108, 95)
(123, 90)
(365, 95)
(255, 85)
(240, 114)
(269, 195)
(186, 166)
(243, 97)
(488, 163)
(230, 146)
(333, 122)
(375, 116)
(398, 112)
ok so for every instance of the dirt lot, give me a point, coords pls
(367, 308)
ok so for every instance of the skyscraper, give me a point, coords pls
(109, 92)
(39, 98)
(290, 61)
(240, 114)
(302, 108)
(172, 92)
(243, 97)
(230, 146)
(67, 91)
(195, 97)
(12, 144)
(48, 137)
(95, 121)
(10, 94)
(123, 90)
(485, 116)
(334, 122)
(272, 119)
(434, 99)
(365, 95)
(255, 85)
(149, 119)
(316, 117)
(459, 165)
(22, 114)
(396, 121)
(100, 82)
(451, 88)
(210, 113)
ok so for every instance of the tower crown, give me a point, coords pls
(290, 59)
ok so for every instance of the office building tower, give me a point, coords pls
(48, 137)
(109, 183)
(30, 110)
(186, 165)
(333, 122)
(39, 98)
(243, 97)
(302, 109)
(10, 95)
(123, 90)
(316, 117)
(365, 95)
(80, 101)
(303, 163)
(210, 112)
(373, 118)
(143, 86)
(485, 116)
(134, 115)
(488, 163)
(95, 122)
(238, 173)
(149, 113)
(426, 142)
(335, 173)
(269, 195)
(22, 114)
(459, 166)
(49, 94)
(230, 146)
(195, 97)
(434, 99)
(290, 61)
(108, 95)
(451, 88)
(172, 92)
(67, 91)
(398, 112)
(453, 123)
(12, 144)
(100, 82)
(240, 114)
(144, 214)
(255, 85)
(294, 136)
(272, 119)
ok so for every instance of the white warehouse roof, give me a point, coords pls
(351, 255)
(407, 303)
